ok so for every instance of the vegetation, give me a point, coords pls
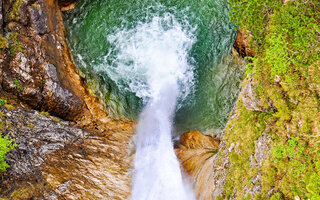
(18, 86)
(15, 45)
(2, 102)
(286, 39)
(45, 114)
(36, 6)
(3, 44)
(15, 11)
(6, 145)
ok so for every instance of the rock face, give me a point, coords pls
(55, 160)
(242, 44)
(36, 67)
(197, 154)
(251, 99)
(37, 136)
(67, 4)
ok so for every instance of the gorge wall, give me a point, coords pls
(71, 149)
(55, 159)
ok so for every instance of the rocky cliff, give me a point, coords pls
(270, 146)
(85, 157)
(269, 149)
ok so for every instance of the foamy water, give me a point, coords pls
(152, 61)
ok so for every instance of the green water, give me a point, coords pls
(217, 78)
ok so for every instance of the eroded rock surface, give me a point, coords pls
(55, 160)
(242, 44)
(198, 155)
(36, 66)
(251, 99)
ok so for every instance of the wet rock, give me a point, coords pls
(196, 140)
(37, 136)
(198, 155)
(92, 169)
(55, 160)
(67, 4)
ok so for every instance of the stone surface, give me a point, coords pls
(249, 97)
(55, 160)
(38, 18)
(262, 149)
(198, 155)
(67, 4)
(242, 44)
(37, 135)
(196, 140)
(39, 62)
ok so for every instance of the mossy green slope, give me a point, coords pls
(286, 71)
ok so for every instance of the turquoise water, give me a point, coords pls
(96, 28)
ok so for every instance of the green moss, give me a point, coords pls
(18, 86)
(286, 72)
(2, 115)
(15, 45)
(9, 106)
(313, 184)
(6, 145)
(277, 196)
(62, 124)
(15, 10)
(3, 43)
(30, 126)
(45, 114)
(3, 102)
(36, 6)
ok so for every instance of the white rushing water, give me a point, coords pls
(152, 61)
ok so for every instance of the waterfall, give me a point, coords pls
(153, 60)
(158, 62)
(99, 32)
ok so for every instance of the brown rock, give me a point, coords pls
(67, 4)
(55, 160)
(58, 162)
(197, 154)
(37, 69)
(196, 140)
(242, 44)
